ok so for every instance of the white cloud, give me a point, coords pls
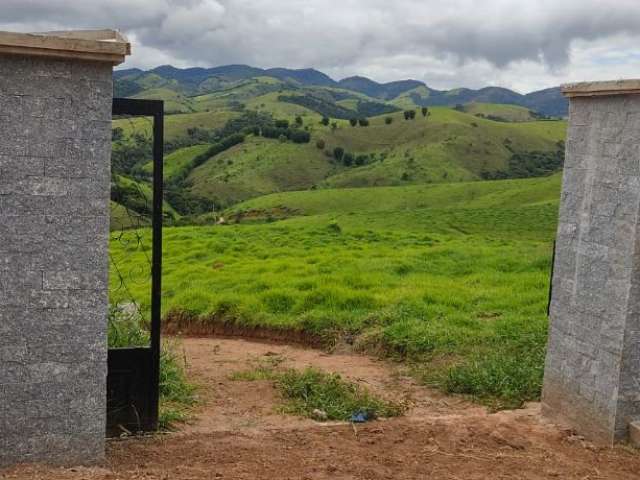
(447, 43)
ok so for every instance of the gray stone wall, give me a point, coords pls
(592, 375)
(55, 132)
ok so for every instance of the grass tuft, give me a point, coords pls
(312, 389)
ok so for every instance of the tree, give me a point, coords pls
(282, 123)
(299, 121)
(364, 122)
(320, 144)
(300, 136)
(388, 120)
(412, 114)
(407, 115)
(325, 121)
(334, 126)
(425, 111)
(348, 159)
(338, 153)
(362, 159)
(353, 121)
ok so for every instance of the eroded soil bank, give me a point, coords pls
(237, 432)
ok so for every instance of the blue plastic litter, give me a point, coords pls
(359, 417)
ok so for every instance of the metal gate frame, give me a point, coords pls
(133, 379)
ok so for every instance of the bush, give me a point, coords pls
(117, 134)
(320, 144)
(325, 121)
(353, 121)
(362, 160)
(338, 153)
(388, 120)
(364, 122)
(299, 121)
(409, 114)
(348, 159)
(282, 123)
(425, 111)
(300, 136)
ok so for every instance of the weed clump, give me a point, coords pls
(126, 329)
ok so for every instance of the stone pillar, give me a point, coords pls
(55, 146)
(592, 374)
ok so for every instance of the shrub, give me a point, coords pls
(338, 153)
(388, 120)
(364, 122)
(325, 121)
(409, 114)
(362, 159)
(300, 136)
(425, 111)
(320, 144)
(353, 121)
(348, 159)
(334, 227)
(117, 134)
(299, 121)
(282, 123)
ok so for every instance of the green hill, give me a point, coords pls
(447, 146)
(442, 145)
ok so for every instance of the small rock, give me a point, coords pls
(320, 415)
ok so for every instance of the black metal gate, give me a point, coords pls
(133, 379)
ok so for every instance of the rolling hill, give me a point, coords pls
(301, 130)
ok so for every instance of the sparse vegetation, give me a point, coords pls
(126, 329)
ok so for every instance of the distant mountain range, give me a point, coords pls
(198, 81)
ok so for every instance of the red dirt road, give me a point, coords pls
(238, 434)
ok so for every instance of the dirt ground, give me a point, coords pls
(237, 432)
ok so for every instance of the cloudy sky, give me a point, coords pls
(520, 44)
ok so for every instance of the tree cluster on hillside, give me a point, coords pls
(349, 159)
(530, 164)
(409, 114)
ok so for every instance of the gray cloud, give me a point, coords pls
(435, 40)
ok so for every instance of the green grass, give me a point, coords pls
(256, 167)
(461, 278)
(311, 389)
(177, 161)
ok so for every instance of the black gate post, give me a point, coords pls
(133, 380)
(156, 259)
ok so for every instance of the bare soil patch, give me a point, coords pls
(238, 433)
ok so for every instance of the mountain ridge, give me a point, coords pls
(548, 101)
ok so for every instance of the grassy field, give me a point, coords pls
(511, 113)
(453, 278)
